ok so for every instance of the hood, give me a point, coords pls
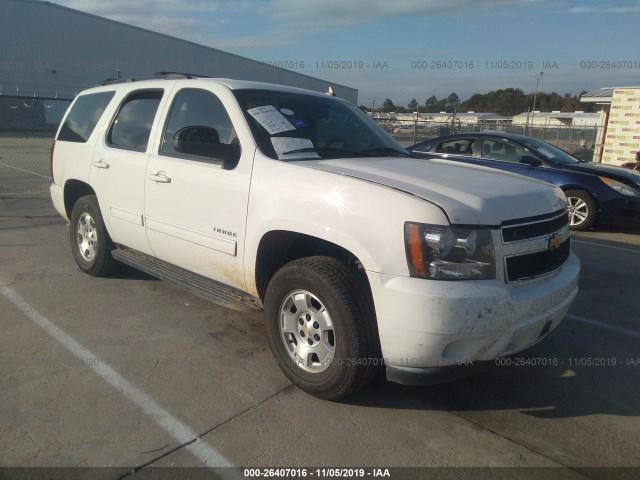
(609, 171)
(468, 194)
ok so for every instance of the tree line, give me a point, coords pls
(507, 102)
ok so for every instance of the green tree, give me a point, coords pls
(440, 106)
(388, 106)
(413, 105)
(453, 100)
(430, 104)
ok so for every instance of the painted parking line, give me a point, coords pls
(604, 245)
(606, 326)
(175, 428)
(23, 170)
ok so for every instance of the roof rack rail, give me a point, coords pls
(182, 74)
(156, 76)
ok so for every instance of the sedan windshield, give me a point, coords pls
(296, 126)
(549, 152)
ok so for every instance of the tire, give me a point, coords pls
(321, 327)
(90, 242)
(582, 210)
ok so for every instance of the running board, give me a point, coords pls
(204, 287)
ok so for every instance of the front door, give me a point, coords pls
(197, 189)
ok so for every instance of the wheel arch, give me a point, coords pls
(73, 190)
(595, 197)
(279, 247)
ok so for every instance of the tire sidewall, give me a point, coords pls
(293, 277)
(88, 205)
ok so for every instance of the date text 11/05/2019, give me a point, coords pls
(316, 472)
(570, 362)
(329, 64)
(484, 65)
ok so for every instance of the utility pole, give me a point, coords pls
(453, 121)
(537, 76)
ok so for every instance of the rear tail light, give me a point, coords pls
(53, 146)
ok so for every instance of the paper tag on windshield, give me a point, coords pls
(271, 119)
(282, 145)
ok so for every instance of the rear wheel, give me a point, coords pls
(90, 243)
(321, 327)
(582, 210)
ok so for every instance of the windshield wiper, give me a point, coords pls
(387, 150)
(323, 149)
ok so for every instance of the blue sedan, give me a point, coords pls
(596, 193)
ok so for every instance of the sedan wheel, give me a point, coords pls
(582, 210)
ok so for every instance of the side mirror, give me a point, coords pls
(204, 142)
(531, 161)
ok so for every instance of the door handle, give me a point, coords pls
(100, 164)
(159, 177)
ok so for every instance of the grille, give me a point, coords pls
(535, 228)
(539, 263)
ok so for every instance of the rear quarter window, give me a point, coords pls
(84, 116)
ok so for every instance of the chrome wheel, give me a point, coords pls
(578, 211)
(87, 237)
(307, 331)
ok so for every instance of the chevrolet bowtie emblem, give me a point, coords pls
(555, 241)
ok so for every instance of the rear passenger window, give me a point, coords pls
(132, 126)
(84, 116)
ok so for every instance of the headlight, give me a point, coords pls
(621, 188)
(447, 253)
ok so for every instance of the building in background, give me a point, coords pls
(557, 119)
(619, 140)
(49, 53)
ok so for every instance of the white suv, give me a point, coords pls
(260, 196)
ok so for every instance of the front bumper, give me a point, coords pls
(433, 375)
(426, 324)
(620, 211)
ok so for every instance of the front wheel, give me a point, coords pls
(321, 327)
(582, 210)
(90, 242)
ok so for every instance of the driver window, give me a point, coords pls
(198, 125)
(456, 147)
(500, 150)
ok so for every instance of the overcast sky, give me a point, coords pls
(406, 49)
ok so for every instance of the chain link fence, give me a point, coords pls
(27, 128)
(28, 124)
(578, 140)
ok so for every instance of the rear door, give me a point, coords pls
(119, 165)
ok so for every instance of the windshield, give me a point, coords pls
(549, 152)
(295, 126)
